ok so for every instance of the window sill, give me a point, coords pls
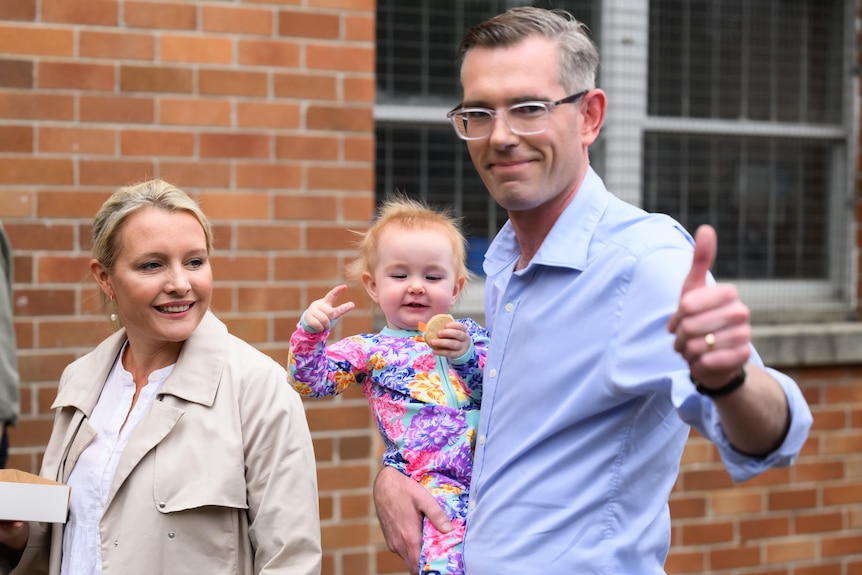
(796, 345)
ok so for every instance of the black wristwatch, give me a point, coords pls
(726, 389)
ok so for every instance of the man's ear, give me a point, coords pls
(370, 286)
(595, 105)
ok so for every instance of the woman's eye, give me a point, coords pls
(150, 266)
(196, 263)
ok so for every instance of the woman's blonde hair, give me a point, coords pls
(131, 199)
(410, 214)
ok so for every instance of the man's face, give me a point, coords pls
(524, 172)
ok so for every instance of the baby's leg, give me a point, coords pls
(441, 552)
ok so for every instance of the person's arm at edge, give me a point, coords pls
(401, 504)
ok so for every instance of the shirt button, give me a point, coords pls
(510, 307)
(481, 440)
(472, 505)
(116, 543)
(492, 373)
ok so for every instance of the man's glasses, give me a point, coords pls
(523, 118)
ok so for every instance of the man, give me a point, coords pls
(9, 397)
(601, 322)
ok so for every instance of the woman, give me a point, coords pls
(185, 450)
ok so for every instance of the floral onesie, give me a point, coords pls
(426, 407)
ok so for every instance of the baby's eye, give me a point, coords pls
(433, 278)
(398, 276)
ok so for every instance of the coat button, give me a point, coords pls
(171, 535)
(162, 504)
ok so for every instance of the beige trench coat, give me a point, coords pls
(219, 477)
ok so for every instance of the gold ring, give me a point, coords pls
(710, 341)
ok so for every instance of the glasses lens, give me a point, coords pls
(528, 118)
(473, 124)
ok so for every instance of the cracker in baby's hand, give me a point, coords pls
(434, 325)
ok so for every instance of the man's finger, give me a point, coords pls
(705, 242)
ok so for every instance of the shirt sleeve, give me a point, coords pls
(317, 370)
(470, 366)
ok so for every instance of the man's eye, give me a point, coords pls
(528, 110)
(477, 116)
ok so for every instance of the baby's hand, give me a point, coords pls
(323, 312)
(452, 341)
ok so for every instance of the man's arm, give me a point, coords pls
(401, 505)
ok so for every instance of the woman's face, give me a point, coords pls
(162, 280)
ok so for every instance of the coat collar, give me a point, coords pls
(195, 377)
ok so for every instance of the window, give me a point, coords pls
(736, 113)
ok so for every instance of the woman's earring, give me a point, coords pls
(113, 316)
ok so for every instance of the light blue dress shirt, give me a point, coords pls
(586, 405)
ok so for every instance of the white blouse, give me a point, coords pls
(94, 471)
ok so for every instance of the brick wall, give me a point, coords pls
(263, 111)
(260, 109)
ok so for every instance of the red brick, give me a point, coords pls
(41, 302)
(840, 546)
(195, 174)
(359, 208)
(270, 53)
(310, 86)
(357, 447)
(194, 112)
(16, 139)
(29, 432)
(274, 176)
(796, 549)
(62, 269)
(359, 90)
(792, 499)
(114, 173)
(29, 106)
(705, 533)
(843, 442)
(161, 15)
(341, 119)
(358, 148)
(847, 493)
(307, 207)
(76, 76)
(329, 238)
(304, 147)
(232, 83)
(764, 527)
(97, 12)
(250, 329)
(340, 178)
(238, 20)
(76, 140)
(155, 79)
(344, 58)
(117, 109)
(234, 145)
(28, 170)
(199, 49)
(40, 236)
(23, 10)
(116, 45)
(820, 569)
(70, 203)
(269, 115)
(17, 203)
(235, 206)
(263, 298)
(298, 24)
(818, 522)
(230, 267)
(16, 74)
(76, 333)
(358, 5)
(279, 236)
(307, 268)
(156, 143)
(345, 535)
(736, 502)
(360, 28)
(343, 476)
(36, 41)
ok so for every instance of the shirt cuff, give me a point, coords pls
(468, 355)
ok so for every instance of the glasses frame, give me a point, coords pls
(547, 104)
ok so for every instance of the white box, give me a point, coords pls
(28, 497)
